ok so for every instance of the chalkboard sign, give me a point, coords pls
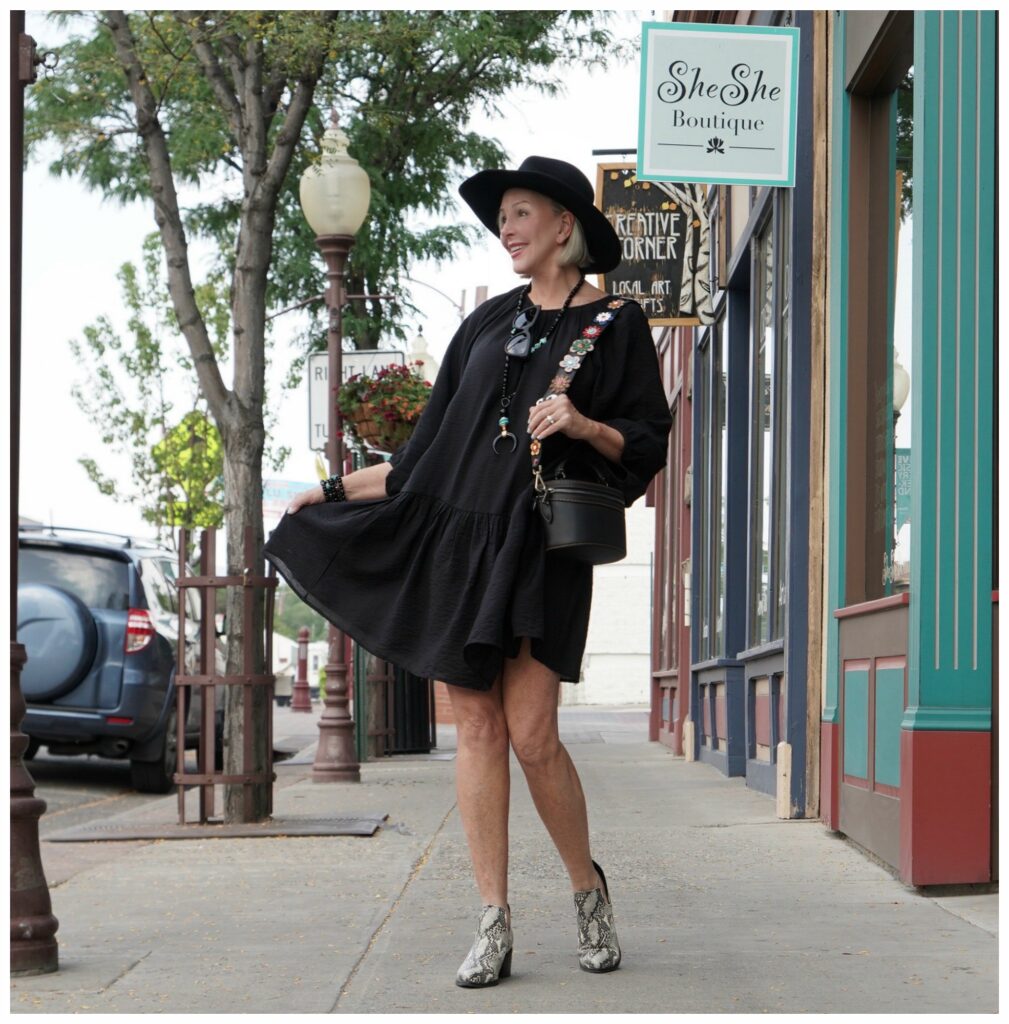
(652, 228)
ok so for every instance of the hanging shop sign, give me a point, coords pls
(366, 360)
(718, 104)
(660, 232)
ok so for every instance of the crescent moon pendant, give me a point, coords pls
(505, 437)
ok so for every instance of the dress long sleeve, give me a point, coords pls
(629, 396)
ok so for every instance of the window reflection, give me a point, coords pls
(764, 344)
(784, 275)
(769, 434)
(704, 489)
(897, 566)
(720, 342)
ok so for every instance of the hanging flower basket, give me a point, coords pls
(380, 411)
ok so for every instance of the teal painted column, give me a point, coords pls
(950, 632)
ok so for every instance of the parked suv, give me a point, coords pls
(98, 615)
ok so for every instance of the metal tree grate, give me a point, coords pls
(206, 777)
(364, 824)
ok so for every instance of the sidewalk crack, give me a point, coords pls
(122, 974)
(421, 861)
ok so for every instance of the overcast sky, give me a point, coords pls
(74, 244)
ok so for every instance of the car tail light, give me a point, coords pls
(139, 630)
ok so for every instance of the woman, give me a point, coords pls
(436, 560)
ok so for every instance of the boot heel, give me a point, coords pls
(506, 967)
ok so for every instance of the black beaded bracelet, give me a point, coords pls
(332, 489)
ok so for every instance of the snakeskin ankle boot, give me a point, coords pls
(598, 946)
(490, 958)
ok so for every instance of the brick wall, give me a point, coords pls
(442, 705)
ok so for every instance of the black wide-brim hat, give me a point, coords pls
(557, 180)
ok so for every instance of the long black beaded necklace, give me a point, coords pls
(513, 351)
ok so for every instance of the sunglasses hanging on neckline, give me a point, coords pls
(520, 342)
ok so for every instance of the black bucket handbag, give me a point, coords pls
(583, 519)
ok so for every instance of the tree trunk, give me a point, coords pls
(238, 412)
(243, 488)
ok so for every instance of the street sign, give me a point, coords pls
(361, 361)
(718, 104)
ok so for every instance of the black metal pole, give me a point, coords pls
(33, 928)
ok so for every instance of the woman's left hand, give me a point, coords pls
(558, 415)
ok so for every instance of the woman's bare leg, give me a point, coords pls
(530, 710)
(482, 786)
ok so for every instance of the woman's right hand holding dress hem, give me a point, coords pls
(361, 485)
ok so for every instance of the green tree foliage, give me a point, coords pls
(190, 460)
(290, 613)
(404, 85)
(131, 391)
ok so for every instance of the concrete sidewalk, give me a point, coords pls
(719, 905)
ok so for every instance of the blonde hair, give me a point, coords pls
(576, 250)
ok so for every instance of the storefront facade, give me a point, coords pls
(670, 721)
(825, 625)
(734, 541)
(907, 738)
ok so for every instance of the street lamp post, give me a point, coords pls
(33, 945)
(335, 197)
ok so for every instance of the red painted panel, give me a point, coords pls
(705, 710)
(830, 805)
(762, 718)
(945, 807)
(668, 727)
(721, 717)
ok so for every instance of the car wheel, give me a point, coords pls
(157, 776)
(31, 750)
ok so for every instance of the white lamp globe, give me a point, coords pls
(901, 385)
(335, 193)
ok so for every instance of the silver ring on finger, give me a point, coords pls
(551, 420)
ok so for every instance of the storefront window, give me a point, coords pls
(897, 568)
(670, 621)
(703, 490)
(764, 352)
(711, 482)
(771, 318)
(879, 341)
(784, 317)
(720, 475)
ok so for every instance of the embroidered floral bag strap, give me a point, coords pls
(580, 348)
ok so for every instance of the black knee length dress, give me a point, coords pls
(446, 574)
